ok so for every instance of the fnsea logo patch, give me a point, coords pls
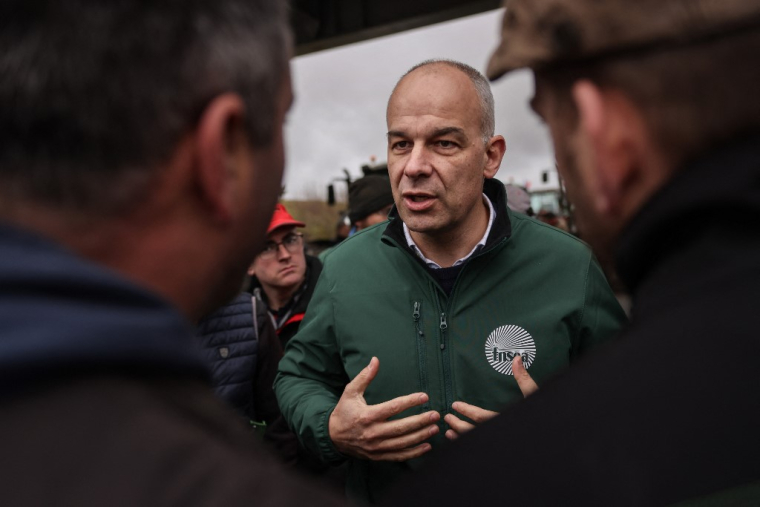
(507, 342)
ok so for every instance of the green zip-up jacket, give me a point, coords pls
(532, 290)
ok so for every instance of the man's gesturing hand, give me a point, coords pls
(362, 430)
(458, 426)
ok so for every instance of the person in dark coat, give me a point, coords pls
(242, 348)
(655, 116)
(141, 153)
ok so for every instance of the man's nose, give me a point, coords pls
(418, 164)
(282, 252)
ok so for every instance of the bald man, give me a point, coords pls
(439, 301)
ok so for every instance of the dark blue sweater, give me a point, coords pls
(60, 314)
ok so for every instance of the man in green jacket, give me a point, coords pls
(448, 296)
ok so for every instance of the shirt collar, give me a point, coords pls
(477, 247)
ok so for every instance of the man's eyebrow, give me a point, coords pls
(436, 133)
(449, 130)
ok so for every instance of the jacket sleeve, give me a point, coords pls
(311, 376)
(601, 316)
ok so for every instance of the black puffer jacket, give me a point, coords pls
(231, 339)
(242, 350)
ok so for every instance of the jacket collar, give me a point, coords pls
(501, 229)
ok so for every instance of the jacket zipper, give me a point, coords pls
(447, 384)
(420, 340)
(445, 354)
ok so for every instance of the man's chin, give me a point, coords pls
(418, 222)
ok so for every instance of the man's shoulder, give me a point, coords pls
(534, 235)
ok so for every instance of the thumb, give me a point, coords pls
(364, 378)
(523, 378)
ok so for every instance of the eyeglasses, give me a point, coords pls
(292, 243)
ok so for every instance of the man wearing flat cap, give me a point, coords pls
(369, 201)
(655, 114)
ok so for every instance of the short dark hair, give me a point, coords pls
(692, 97)
(95, 94)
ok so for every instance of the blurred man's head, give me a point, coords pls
(633, 90)
(518, 199)
(441, 147)
(281, 265)
(130, 128)
(370, 199)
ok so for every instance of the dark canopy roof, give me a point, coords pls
(324, 24)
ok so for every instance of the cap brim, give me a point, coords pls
(497, 67)
(287, 223)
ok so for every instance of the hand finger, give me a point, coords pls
(360, 383)
(405, 441)
(451, 434)
(383, 411)
(523, 378)
(401, 427)
(477, 414)
(457, 424)
(404, 455)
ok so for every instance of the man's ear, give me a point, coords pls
(495, 150)
(607, 127)
(218, 138)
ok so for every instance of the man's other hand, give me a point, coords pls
(523, 378)
(479, 415)
(457, 426)
(362, 430)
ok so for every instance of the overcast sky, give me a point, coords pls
(338, 119)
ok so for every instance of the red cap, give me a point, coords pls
(282, 218)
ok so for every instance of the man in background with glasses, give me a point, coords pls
(283, 276)
(240, 343)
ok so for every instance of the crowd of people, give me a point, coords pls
(167, 341)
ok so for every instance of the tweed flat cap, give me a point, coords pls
(542, 33)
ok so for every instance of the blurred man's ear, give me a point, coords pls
(609, 142)
(219, 139)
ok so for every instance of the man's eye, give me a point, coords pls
(290, 239)
(446, 144)
(270, 247)
(400, 145)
